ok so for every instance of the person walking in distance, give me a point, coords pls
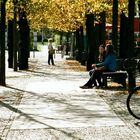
(51, 51)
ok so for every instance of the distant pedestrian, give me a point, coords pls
(51, 51)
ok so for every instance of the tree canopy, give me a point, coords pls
(62, 15)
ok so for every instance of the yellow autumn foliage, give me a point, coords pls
(62, 15)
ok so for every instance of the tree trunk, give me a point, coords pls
(131, 7)
(115, 25)
(72, 45)
(102, 29)
(90, 40)
(25, 41)
(2, 45)
(67, 43)
(10, 43)
(124, 27)
(15, 37)
(81, 47)
(61, 41)
(77, 49)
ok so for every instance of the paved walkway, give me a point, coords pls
(46, 103)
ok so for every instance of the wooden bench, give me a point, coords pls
(118, 76)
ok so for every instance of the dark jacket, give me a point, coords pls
(109, 62)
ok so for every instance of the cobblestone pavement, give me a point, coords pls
(46, 103)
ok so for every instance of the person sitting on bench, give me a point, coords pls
(100, 59)
(108, 65)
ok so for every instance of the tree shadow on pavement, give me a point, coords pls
(74, 109)
(58, 75)
(35, 120)
(70, 107)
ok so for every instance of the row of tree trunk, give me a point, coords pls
(95, 37)
(17, 42)
(95, 34)
(22, 43)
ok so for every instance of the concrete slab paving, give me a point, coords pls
(89, 133)
(46, 103)
(60, 111)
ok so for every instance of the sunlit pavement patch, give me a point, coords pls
(63, 111)
(52, 86)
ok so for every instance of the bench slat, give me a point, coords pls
(122, 75)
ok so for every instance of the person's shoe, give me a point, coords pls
(94, 86)
(101, 85)
(85, 87)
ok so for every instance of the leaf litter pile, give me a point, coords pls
(75, 65)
